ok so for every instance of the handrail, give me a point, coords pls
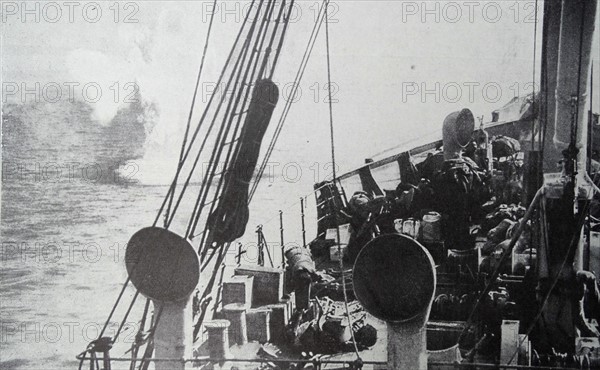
(415, 151)
(456, 365)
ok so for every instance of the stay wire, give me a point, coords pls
(337, 227)
(223, 249)
(114, 307)
(236, 70)
(286, 22)
(267, 51)
(172, 187)
(286, 109)
(206, 110)
(226, 124)
(579, 73)
(135, 346)
(241, 54)
(255, 60)
(144, 362)
(213, 206)
(137, 292)
(221, 137)
(533, 76)
(298, 77)
(189, 121)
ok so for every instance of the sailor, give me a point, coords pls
(362, 209)
(303, 273)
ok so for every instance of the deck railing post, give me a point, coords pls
(302, 218)
(281, 237)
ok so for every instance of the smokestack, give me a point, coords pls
(394, 279)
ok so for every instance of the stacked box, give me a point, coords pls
(267, 284)
(258, 321)
(236, 315)
(278, 321)
(218, 338)
(238, 289)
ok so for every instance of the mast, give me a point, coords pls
(568, 33)
(574, 60)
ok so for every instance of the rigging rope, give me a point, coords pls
(243, 149)
(286, 23)
(189, 121)
(144, 362)
(247, 91)
(337, 226)
(137, 292)
(544, 89)
(139, 336)
(228, 221)
(536, 116)
(218, 147)
(212, 165)
(222, 251)
(579, 73)
(205, 113)
(171, 189)
(246, 86)
(212, 208)
(289, 101)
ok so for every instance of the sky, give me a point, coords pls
(399, 67)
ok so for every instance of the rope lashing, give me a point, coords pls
(100, 345)
(228, 221)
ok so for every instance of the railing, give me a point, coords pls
(317, 363)
(419, 150)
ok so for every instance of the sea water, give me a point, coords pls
(71, 199)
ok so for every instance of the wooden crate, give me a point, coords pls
(267, 284)
(258, 321)
(278, 322)
(238, 289)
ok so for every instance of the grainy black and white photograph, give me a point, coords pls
(300, 184)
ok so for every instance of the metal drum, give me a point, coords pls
(431, 227)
